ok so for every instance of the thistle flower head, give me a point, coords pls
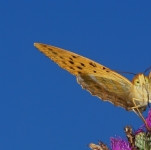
(119, 144)
(143, 141)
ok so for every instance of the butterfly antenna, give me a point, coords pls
(125, 72)
(147, 69)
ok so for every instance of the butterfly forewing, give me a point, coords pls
(94, 77)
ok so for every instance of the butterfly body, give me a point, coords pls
(101, 81)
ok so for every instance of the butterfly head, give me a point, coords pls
(140, 80)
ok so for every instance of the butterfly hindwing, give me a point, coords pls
(106, 90)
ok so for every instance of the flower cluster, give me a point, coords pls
(136, 140)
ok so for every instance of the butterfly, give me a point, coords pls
(100, 81)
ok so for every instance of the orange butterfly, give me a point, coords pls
(101, 81)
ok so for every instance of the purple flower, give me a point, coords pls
(148, 119)
(119, 144)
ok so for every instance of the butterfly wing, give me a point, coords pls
(92, 76)
(107, 89)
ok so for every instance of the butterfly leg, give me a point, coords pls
(138, 112)
(137, 106)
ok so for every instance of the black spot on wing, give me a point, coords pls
(50, 49)
(61, 57)
(94, 71)
(54, 53)
(79, 67)
(92, 64)
(82, 64)
(104, 68)
(71, 62)
(72, 68)
(74, 56)
(70, 58)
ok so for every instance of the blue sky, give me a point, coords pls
(41, 105)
